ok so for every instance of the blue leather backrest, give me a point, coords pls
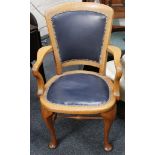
(79, 34)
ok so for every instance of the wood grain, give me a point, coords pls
(42, 52)
(116, 52)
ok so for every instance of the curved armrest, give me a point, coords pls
(116, 52)
(42, 52)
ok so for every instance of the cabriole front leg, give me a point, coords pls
(49, 121)
(108, 118)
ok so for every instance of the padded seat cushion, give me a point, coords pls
(79, 89)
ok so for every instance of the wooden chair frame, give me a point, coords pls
(106, 111)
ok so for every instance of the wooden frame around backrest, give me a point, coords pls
(80, 6)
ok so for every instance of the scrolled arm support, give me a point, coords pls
(42, 52)
(116, 52)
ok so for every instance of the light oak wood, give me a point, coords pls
(82, 117)
(116, 52)
(48, 119)
(108, 118)
(77, 116)
(80, 62)
(42, 52)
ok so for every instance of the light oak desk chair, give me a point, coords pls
(79, 34)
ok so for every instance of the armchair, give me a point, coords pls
(79, 34)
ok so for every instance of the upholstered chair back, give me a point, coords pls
(79, 33)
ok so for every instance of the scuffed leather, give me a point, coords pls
(79, 89)
(79, 34)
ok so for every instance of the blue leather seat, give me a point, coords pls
(79, 89)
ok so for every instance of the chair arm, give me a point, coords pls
(116, 52)
(42, 52)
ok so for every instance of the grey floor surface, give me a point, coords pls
(75, 137)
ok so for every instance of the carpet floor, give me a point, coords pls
(75, 137)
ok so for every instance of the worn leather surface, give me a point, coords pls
(79, 34)
(79, 89)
